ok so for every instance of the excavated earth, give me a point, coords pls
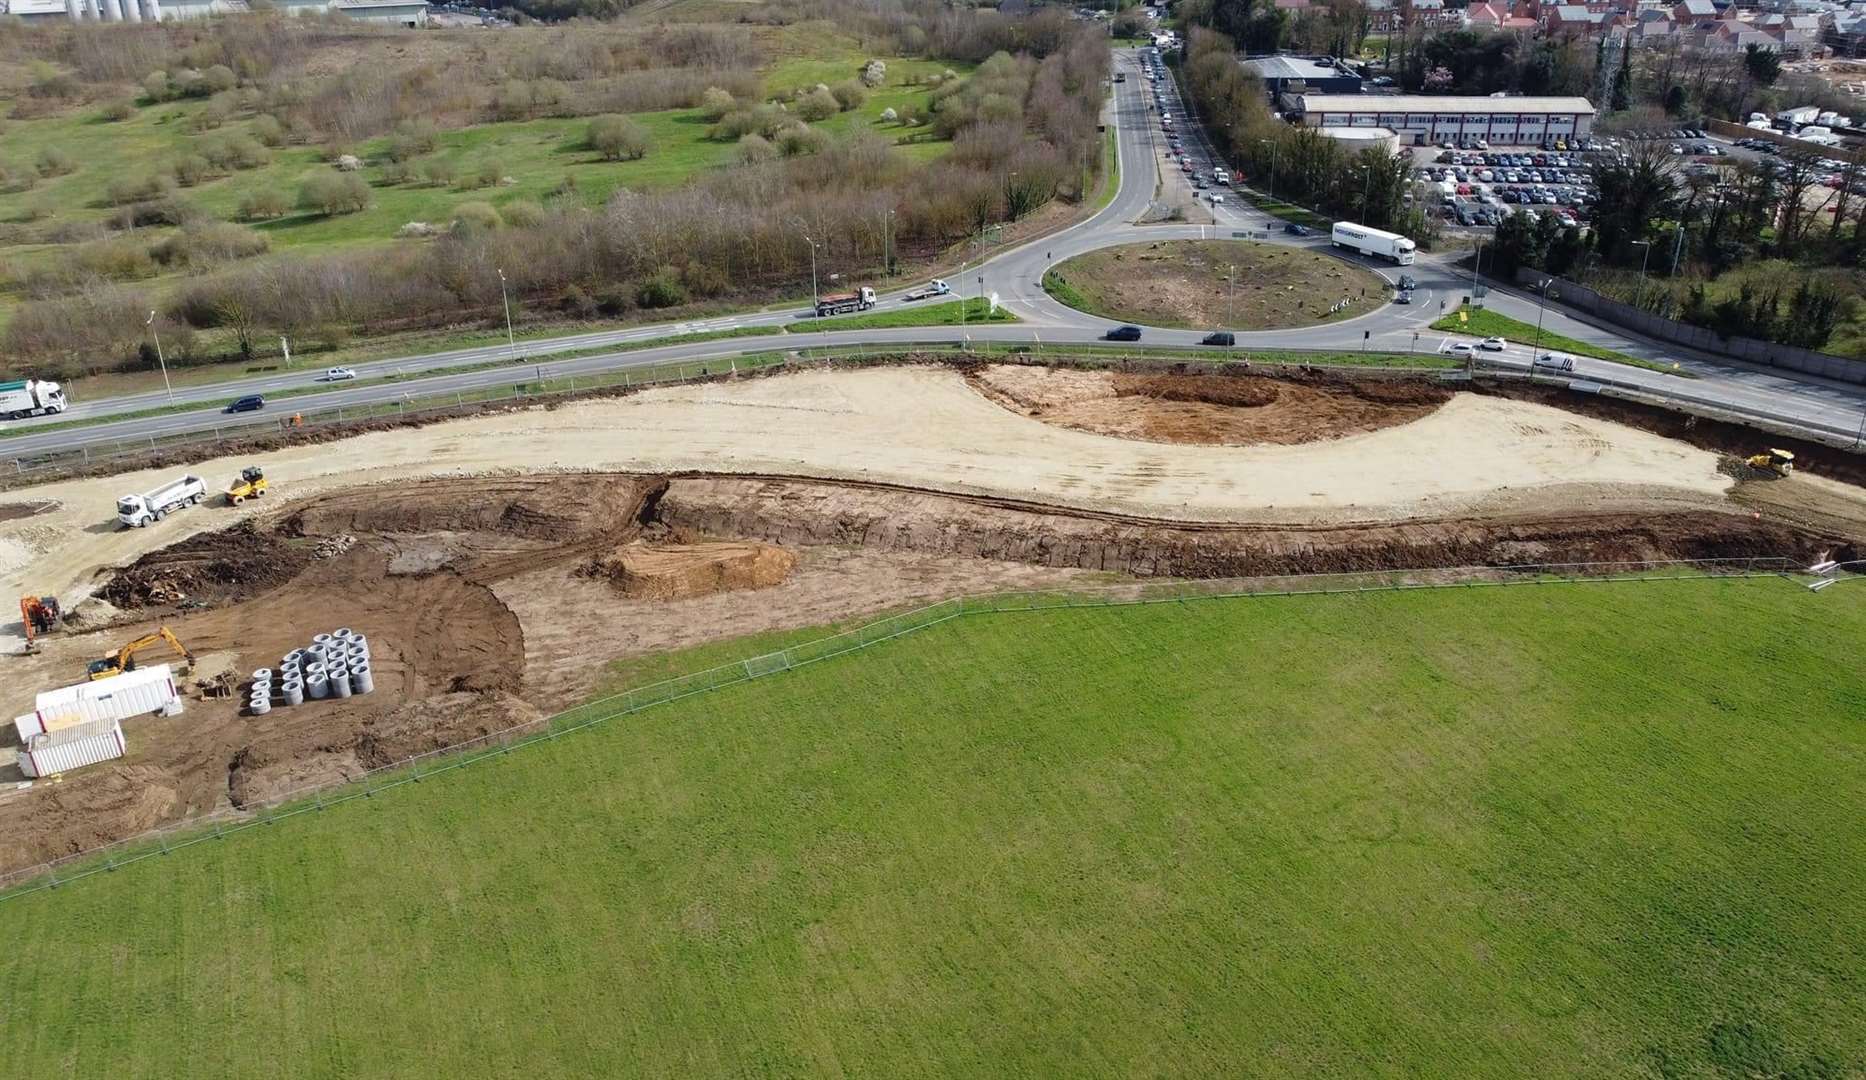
(1237, 409)
(491, 602)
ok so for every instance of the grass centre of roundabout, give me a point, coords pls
(1216, 285)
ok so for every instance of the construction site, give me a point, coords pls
(497, 564)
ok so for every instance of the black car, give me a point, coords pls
(1122, 333)
(1406, 282)
(1404, 296)
(247, 403)
(1294, 229)
(1220, 337)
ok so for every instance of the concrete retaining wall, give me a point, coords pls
(1787, 357)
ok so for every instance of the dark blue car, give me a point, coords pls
(247, 403)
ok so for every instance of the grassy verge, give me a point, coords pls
(1110, 171)
(1487, 323)
(1277, 208)
(1530, 861)
(977, 309)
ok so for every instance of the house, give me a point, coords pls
(1693, 12)
(1485, 15)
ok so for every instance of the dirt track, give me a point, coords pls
(491, 600)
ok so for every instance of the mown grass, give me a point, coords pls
(1567, 830)
(976, 309)
(1215, 284)
(1486, 323)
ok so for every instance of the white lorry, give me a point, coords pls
(136, 511)
(30, 397)
(1375, 242)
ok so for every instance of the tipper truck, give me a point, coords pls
(1375, 242)
(136, 511)
(30, 397)
(842, 303)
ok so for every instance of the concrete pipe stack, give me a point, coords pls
(259, 696)
(334, 665)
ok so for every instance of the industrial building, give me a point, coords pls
(409, 13)
(1302, 75)
(1422, 120)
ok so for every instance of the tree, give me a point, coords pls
(1621, 99)
(333, 193)
(715, 103)
(618, 138)
(263, 203)
(1676, 101)
(1764, 65)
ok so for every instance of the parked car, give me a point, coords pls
(1123, 333)
(339, 374)
(1220, 337)
(246, 404)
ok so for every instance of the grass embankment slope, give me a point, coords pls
(1190, 283)
(1557, 831)
(1486, 323)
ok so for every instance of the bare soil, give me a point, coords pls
(1240, 409)
(682, 571)
(1192, 284)
(16, 511)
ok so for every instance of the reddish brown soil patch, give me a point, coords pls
(231, 564)
(16, 511)
(683, 571)
(1213, 410)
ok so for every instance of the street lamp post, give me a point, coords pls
(511, 342)
(887, 251)
(1647, 244)
(815, 297)
(157, 335)
(1542, 299)
(1276, 149)
(1477, 263)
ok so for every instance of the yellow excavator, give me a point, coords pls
(1779, 462)
(250, 485)
(124, 659)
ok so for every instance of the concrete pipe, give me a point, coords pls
(320, 639)
(343, 634)
(361, 680)
(259, 706)
(293, 692)
(295, 656)
(356, 656)
(340, 685)
(263, 674)
(316, 686)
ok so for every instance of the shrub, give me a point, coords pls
(395, 172)
(218, 79)
(818, 104)
(129, 189)
(234, 151)
(157, 87)
(491, 172)
(874, 73)
(54, 162)
(475, 215)
(264, 204)
(755, 149)
(201, 243)
(889, 116)
(413, 138)
(715, 104)
(849, 94)
(160, 211)
(438, 172)
(15, 179)
(119, 109)
(191, 169)
(663, 290)
(333, 193)
(513, 101)
(799, 141)
(267, 129)
(522, 214)
(618, 138)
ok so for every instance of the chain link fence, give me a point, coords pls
(313, 799)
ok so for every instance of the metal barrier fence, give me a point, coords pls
(551, 386)
(312, 799)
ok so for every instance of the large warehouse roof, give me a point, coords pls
(1405, 103)
(1291, 67)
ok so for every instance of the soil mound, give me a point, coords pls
(1210, 410)
(551, 508)
(15, 511)
(90, 810)
(680, 571)
(212, 568)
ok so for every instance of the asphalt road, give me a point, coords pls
(1014, 277)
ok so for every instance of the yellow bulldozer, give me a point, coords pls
(1779, 462)
(124, 659)
(250, 485)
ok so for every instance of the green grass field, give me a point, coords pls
(1486, 323)
(1570, 830)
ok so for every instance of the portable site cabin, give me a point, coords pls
(71, 748)
(134, 693)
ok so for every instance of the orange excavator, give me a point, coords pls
(39, 614)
